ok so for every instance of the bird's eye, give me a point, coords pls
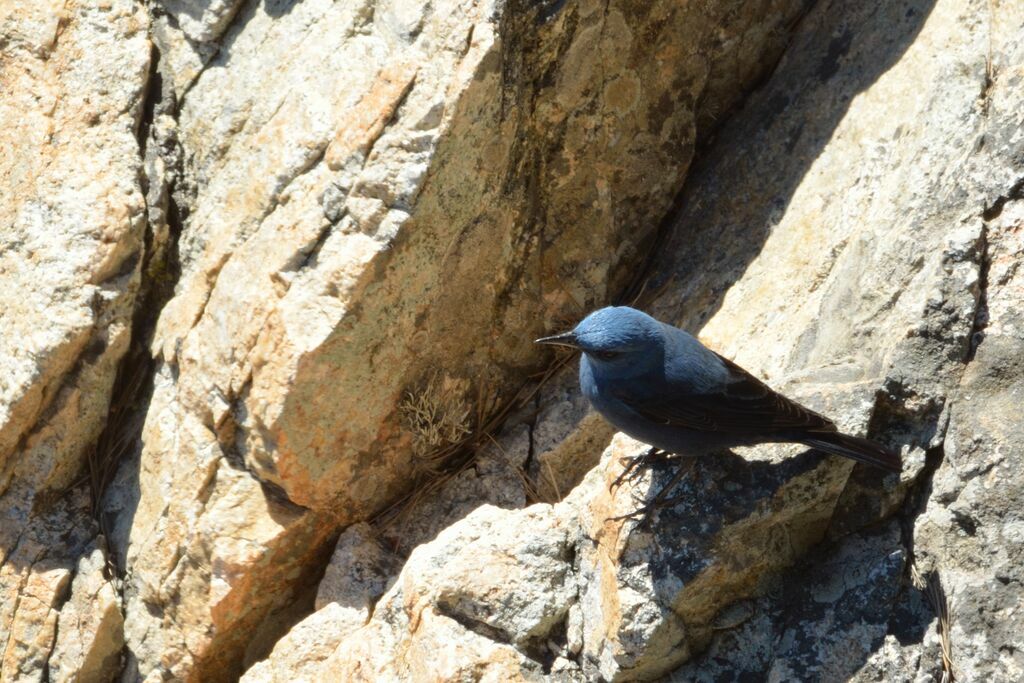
(606, 355)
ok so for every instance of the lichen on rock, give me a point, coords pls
(280, 265)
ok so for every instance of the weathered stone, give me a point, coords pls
(496, 476)
(90, 629)
(72, 237)
(300, 654)
(565, 583)
(830, 278)
(72, 220)
(971, 532)
(935, 165)
(855, 179)
(34, 580)
(459, 175)
(187, 34)
(244, 545)
(819, 623)
(31, 624)
(381, 204)
(649, 598)
(359, 573)
(491, 586)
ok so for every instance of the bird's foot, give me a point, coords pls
(645, 513)
(635, 466)
(660, 500)
(642, 514)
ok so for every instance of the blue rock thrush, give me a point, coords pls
(661, 386)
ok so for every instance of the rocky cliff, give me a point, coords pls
(269, 276)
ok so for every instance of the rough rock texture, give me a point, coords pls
(72, 223)
(75, 75)
(398, 162)
(566, 437)
(90, 630)
(971, 529)
(815, 624)
(187, 34)
(853, 237)
(439, 621)
(358, 215)
(359, 573)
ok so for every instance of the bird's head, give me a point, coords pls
(620, 341)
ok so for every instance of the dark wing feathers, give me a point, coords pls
(747, 406)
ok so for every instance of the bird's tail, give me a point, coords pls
(856, 448)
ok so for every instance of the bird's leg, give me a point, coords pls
(660, 498)
(635, 465)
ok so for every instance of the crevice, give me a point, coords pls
(928, 583)
(989, 213)
(449, 460)
(641, 290)
(547, 648)
(160, 269)
(373, 600)
(476, 626)
(531, 425)
(708, 123)
(993, 211)
(980, 321)
(985, 95)
(917, 496)
(147, 111)
(207, 51)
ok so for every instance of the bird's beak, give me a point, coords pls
(564, 339)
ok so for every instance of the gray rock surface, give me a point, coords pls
(816, 623)
(282, 261)
(945, 176)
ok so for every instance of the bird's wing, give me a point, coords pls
(746, 405)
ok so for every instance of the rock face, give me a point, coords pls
(72, 225)
(970, 530)
(333, 229)
(90, 631)
(863, 193)
(341, 206)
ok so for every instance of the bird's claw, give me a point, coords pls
(645, 512)
(660, 499)
(635, 466)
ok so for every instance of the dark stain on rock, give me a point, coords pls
(837, 49)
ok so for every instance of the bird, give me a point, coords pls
(662, 386)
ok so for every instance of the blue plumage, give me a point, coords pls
(661, 386)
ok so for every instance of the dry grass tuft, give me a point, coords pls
(437, 419)
(931, 586)
(437, 416)
(123, 426)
